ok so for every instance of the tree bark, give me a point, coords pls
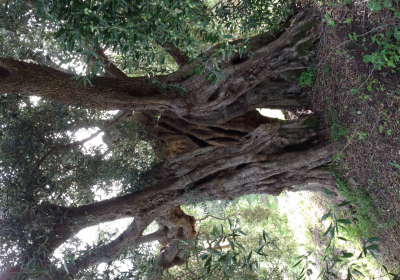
(265, 76)
(215, 144)
(274, 157)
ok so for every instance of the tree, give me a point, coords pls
(199, 116)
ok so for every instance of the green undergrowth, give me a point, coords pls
(363, 210)
(336, 129)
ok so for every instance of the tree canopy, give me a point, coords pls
(187, 77)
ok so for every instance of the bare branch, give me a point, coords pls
(161, 233)
(11, 273)
(187, 267)
(222, 219)
(110, 70)
(176, 53)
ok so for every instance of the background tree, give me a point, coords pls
(251, 217)
(199, 117)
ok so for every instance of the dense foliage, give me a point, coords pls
(67, 178)
(70, 32)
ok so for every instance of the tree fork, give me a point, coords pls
(274, 157)
(215, 145)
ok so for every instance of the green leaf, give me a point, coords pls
(344, 203)
(232, 245)
(329, 228)
(79, 83)
(394, 164)
(230, 223)
(358, 272)
(347, 255)
(344, 221)
(373, 239)
(326, 191)
(220, 76)
(385, 268)
(387, 4)
(65, 266)
(266, 235)
(391, 64)
(89, 81)
(258, 251)
(59, 33)
(191, 60)
(249, 256)
(342, 238)
(372, 247)
(297, 263)
(240, 246)
(327, 215)
(349, 276)
(368, 58)
(374, 5)
(344, 228)
(332, 232)
(208, 262)
(227, 36)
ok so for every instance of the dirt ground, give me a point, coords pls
(359, 106)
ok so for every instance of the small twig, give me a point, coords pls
(187, 267)
(78, 143)
(195, 245)
(222, 219)
(175, 52)
(347, 144)
(370, 73)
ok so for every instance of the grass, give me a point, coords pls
(363, 211)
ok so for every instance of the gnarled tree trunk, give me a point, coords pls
(215, 144)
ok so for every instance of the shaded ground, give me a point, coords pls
(360, 109)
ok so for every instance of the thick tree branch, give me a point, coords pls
(274, 157)
(159, 234)
(112, 250)
(255, 165)
(106, 93)
(270, 68)
(109, 252)
(174, 225)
